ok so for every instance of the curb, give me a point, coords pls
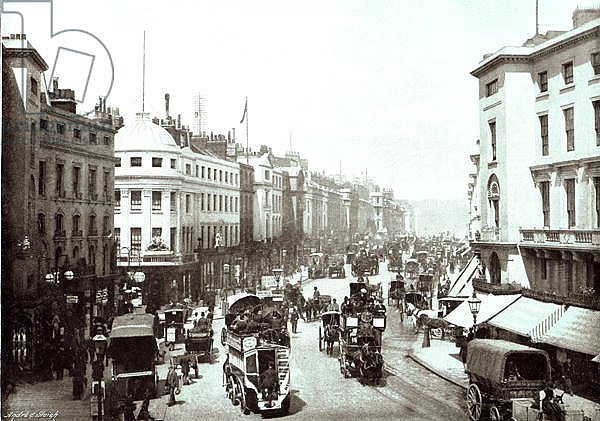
(441, 374)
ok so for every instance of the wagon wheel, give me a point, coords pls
(235, 392)
(320, 340)
(242, 397)
(474, 402)
(495, 414)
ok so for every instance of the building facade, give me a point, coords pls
(177, 212)
(540, 119)
(57, 182)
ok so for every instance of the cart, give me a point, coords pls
(329, 332)
(336, 266)
(504, 378)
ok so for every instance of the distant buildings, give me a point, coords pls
(200, 114)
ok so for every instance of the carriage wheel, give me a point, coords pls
(235, 392)
(474, 402)
(495, 414)
(320, 340)
(242, 397)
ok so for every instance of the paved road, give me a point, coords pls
(319, 391)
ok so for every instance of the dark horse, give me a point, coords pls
(330, 336)
(370, 365)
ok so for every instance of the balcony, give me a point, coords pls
(490, 234)
(561, 238)
(77, 233)
(60, 234)
(93, 232)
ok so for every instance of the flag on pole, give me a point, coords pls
(245, 111)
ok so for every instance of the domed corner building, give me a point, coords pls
(170, 198)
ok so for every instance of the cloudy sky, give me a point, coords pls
(377, 84)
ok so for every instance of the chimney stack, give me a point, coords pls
(55, 85)
(167, 96)
(178, 121)
(229, 135)
(233, 134)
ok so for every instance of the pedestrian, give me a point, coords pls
(567, 374)
(171, 384)
(60, 359)
(294, 319)
(129, 408)
(144, 414)
(79, 374)
(333, 306)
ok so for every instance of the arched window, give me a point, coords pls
(494, 199)
(76, 225)
(76, 254)
(92, 256)
(494, 268)
(59, 226)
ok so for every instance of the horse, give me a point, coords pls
(330, 336)
(370, 365)
(425, 320)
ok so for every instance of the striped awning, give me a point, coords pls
(490, 306)
(527, 317)
(462, 286)
(577, 330)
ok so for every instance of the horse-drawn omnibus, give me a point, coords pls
(132, 347)
(256, 371)
(175, 318)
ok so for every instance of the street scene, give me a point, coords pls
(300, 210)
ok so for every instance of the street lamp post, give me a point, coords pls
(98, 386)
(474, 306)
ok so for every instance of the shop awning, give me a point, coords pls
(462, 286)
(490, 306)
(525, 315)
(577, 330)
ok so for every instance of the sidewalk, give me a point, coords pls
(442, 359)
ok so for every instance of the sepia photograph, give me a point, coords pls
(300, 210)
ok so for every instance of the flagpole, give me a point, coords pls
(247, 159)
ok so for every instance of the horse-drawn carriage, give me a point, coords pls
(505, 379)
(256, 371)
(364, 263)
(317, 267)
(396, 293)
(336, 266)
(329, 333)
(174, 325)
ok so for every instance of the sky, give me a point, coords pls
(381, 86)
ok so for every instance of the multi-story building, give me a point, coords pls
(540, 119)
(376, 198)
(474, 225)
(177, 208)
(57, 182)
(394, 215)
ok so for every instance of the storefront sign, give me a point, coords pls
(72, 299)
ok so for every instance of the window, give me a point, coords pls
(203, 168)
(135, 161)
(226, 203)
(570, 191)
(58, 225)
(174, 164)
(77, 133)
(118, 162)
(136, 238)
(92, 230)
(136, 200)
(597, 121)
(92, 138)
(173, 238)
(236, 179)
(197, 171)
(117, 200)
(77, 183)
(236, 204)
(543, 81)
(267, 175)
(569, 128)
(106, 140)
(188, 203)
(105, 185)
(567, 70)
(544, 134)
(545, 191)
(491, 88)
(208, 202)
(493, 139)
(117, 232)
(60, 173)
(42, 179)
(597, 190)
(105, 225)
(210, 173)
(173, 201)
(543, 268)
(34, 86)
(214, 202)
(41, 223)
(156, 162)
(226, 177)
(156, 232)
(188, 169)
(60, 128)
(220, 176)
(43, 124)
(220, 203)
(92, 185)
(201, 201)
(595, 59)
(156, 200)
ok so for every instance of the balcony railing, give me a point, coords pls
(561, 237)
(490, 234)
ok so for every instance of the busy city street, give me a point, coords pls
(311, 210)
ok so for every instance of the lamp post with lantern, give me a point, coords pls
(98, 386)
(474, 306)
